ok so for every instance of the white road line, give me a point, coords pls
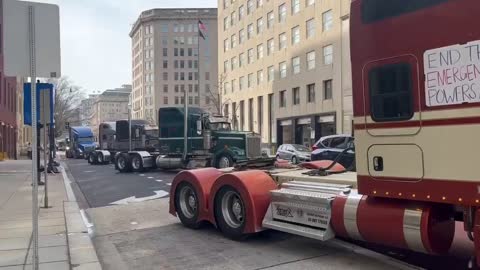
(169, 184)
(158, 180)
(150, 177)
(142, 174)
(87, 223)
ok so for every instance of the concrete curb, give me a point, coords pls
(82, 252)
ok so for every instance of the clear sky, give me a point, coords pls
(96, 48)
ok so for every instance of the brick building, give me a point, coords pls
(8, 107)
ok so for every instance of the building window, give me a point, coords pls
(250, 56)
(233, 62)
(295, 6)
(241, 12)
(391, 92)
(226, 87)
(176, 100)
(241, 58)
(282, 13)
(283, 69)
(165, 63)
(234, 82)
(327, 20)
(282, 41)
(233, 41)
(327, 89)
(328, 55)
(250, 6)
(296, 95)
(296, 65)
(271, 73)
(241, 36)
(259, 77)
(241, 83)
(176, 88)
(165, 76)
(165, 52)
(164, 28)
(225, 66)
(207, 76)
(225, 23)
(283, 99)
(309, 2)
(250, 80)
(165, 100)
(175, 52)
(250, 31)
(182, 52)
(295, 35)
(190, 100)
(311, 60)
(311, 93)
(270, 46)
(270, 19)
(225, 45)
(259, 25)
(259, 3)
(165, 88)
(260, 51)
(310, 24)
(233, 18)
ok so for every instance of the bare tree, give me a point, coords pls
(216, 96)
(67, 100)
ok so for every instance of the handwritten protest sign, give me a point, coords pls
(452, 74)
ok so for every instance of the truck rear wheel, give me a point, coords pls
(137, 163)
(100, 159)
(230, 213)
(123, 163)
(186, 203)
(91, 158)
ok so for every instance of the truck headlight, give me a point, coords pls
(68, 148)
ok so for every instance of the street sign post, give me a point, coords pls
(31, 40)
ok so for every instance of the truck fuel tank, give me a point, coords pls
(167, 163)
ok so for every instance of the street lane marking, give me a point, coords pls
(142, 174)
(150, 177)
(88, 171)
(158, 180)
(133, 199)
(169, 184)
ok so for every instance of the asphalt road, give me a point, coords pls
(97, 186)
(102, 185)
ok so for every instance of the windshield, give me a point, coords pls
(151, 132)
(85, 140)
(221, 126)
(302, 148)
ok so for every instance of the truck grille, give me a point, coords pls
(253, 146)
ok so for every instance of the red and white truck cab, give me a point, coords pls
(416, 92)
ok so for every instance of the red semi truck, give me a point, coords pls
(416, 89)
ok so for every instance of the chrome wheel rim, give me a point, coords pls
(188, 202)
(224, 162)
(121, 163)
(90, 158)
(294, 160)
(136, 163)
(100, 158)
(233, 209)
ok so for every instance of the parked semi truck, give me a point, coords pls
(410, 187)
(209, 141)
(80, 142)
(114, 139)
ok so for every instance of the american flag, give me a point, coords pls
(202, 30)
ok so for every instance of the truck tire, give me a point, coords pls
(224, 161)
(99, 158)
(137, 163)
(122, 163)
(186, 203)
(92, 159)
(230, 213)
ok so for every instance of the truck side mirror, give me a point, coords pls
(199, 127)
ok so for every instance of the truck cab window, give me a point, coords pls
(376, 10)
(391, 92)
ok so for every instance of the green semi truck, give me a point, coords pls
(206, 141)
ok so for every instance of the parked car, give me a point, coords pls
(293, 152)
(329, 147)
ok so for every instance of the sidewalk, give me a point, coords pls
(64, 242)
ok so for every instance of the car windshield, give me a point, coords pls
(221, 126)
(85, 140)
(302, 148)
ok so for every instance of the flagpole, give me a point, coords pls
(198, 67)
